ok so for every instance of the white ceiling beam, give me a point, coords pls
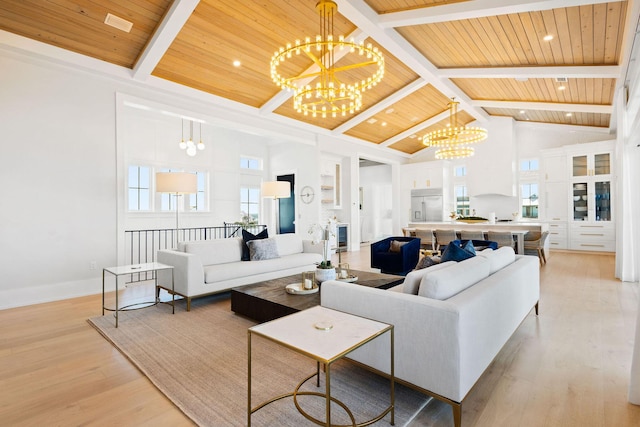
(165, 34)
(545, 106)
(380, 106)
(281, 97)
(473, 9)
(574, 72)
(365, 18)
(415, 129)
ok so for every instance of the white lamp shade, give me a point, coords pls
(176, 182)
(276, 189)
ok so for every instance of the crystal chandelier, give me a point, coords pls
(331, 95)
(189, 145)
(453, 140)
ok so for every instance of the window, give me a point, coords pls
(460, 171)
(529, 165)
(197, 201)
(250, 204)
(462, 200)
(250, 163)
(529, 203)
(138, 188)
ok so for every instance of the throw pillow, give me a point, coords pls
(467, 245)
(454, 252)
(247, 237)
(427, 261)
(396, 245)
(261, 249)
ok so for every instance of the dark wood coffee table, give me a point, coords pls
(268, 300)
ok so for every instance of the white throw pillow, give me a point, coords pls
(412, 280)
(499, 258)
(288, 244)
(450, 281)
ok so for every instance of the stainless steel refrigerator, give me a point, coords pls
(426, 205)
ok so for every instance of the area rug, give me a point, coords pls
(198, 359)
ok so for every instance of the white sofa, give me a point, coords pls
(209, 266)
(444, 342)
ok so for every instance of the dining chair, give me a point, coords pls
(444, 237)
(537, 246)
(427, 240)
(471, 235)
(502, 238)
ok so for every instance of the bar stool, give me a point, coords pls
(426, 238)
(472, 235)
(502, 238)
(444, 237)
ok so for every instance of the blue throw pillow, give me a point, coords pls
(247, 237)
(453, 252)
(468, 246)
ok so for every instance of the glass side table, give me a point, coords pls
(324, 335)
(133, 269)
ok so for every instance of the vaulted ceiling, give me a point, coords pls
(491, 55)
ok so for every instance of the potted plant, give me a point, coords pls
(324, 270)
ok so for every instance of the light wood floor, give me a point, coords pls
(567, 367)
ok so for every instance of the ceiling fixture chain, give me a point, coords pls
(331, 95)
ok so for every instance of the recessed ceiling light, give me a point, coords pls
(522, 79)
(389, 110)
(548, 38)
(521, 111)
(413, 136)
(383, 124)
(561, 88)
(414, 119)
(117, 22)
(237, 63)
(568, 114)
(372, 120)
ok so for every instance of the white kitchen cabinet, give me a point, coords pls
(423, 175)
(558, 235)
(593, 237)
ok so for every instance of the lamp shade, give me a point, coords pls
(176, 182)
(276, 189)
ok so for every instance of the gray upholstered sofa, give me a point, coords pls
(209, 266)
(451, 319)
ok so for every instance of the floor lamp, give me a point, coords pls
(176, 183)
(275, 190)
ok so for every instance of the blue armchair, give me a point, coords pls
(399, 259)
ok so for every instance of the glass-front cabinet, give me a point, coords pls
(591, 187)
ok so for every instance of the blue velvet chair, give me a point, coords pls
(400, 262)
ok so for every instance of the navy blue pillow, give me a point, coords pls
(247, 237)
(468, 246)
(454, 252)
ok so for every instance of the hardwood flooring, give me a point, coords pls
(567, 367)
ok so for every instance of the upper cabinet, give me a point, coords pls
(592, 164)
(423, 175)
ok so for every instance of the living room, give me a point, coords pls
(73, 125)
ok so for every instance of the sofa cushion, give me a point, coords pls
(215, 251)
(288, 244)
(499, 258)
(261, 249)
(447, 282)
(396, 246)
(412, 280)
(454, 252)
(234, 270)
(247, 237)
(427, 261)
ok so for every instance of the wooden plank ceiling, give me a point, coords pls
(493, 59)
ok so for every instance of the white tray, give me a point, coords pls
(297, 289)
(349, 279)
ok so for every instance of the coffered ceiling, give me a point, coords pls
(491, 55)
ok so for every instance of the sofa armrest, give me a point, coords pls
(309, 247)
(188, 271)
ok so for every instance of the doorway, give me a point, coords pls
(287, 207)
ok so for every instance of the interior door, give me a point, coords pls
(287, 208)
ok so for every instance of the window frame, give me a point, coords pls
(138, 188)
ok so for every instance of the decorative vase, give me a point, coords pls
(323, 274)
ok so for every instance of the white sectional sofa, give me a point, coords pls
(451, 319)
(209, 266)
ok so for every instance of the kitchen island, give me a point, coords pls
(518, 228)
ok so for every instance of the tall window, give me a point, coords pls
(529, 165)
(197, 201)
(462, 200)
(139, 188)
(460, 171)
(529, 203)
(250, 204)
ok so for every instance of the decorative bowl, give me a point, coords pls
(584, 197)
(576, 198)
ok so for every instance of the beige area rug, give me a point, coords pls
(198, 359)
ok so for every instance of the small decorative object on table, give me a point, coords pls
(307, 286)
(342, 273)
(325, 270)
